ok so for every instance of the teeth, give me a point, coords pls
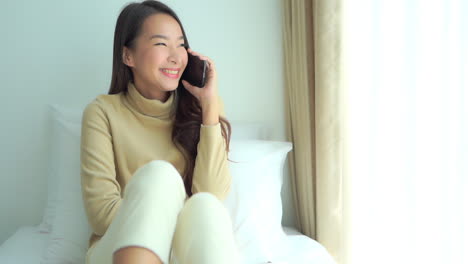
(171, 72)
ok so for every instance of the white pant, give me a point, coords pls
(156, 215)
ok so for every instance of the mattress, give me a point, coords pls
(24, 246)
(27, 245)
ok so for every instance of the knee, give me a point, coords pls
(205, 208)
(204, 232)
(154, 175)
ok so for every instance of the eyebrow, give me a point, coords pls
(163, 37)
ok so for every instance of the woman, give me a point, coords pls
(154, 151)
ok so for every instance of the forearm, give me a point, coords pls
(210, 112)
(211, 172)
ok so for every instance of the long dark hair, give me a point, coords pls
(186, 108)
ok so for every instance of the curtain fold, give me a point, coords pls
(329, 124)
(314, 118)
(299, 118)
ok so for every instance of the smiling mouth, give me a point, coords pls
(171, 73)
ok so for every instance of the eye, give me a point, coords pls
(158, 44)
(183, 45)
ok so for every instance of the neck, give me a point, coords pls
(150, 93)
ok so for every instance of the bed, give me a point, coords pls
(254, 202)
(28, 244)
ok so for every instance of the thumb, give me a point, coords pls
(189, 87)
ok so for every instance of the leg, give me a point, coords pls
(204, 233)
(145, 223)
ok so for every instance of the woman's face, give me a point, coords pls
(158, 58)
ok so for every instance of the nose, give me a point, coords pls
(174, 57)
(172, 60)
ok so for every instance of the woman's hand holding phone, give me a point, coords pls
(208, 95)
(210, 90)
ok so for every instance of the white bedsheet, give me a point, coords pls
(299, 249)
(27, 245)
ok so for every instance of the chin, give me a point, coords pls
(171, 88)
(168, 86)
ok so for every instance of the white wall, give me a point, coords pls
(61, 52)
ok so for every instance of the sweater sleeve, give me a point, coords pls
(100, 189)
(211, 172)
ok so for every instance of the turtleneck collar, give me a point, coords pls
(149, 107)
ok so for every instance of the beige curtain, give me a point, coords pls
(314, 104)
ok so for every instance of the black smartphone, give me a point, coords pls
(195, 71)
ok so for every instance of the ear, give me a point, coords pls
(127, 57)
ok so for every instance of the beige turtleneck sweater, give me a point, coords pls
(121, 133)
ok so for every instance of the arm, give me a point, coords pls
(211, 172)
(100, 189)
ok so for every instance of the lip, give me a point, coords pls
(173, 76)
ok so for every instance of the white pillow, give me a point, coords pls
(254, 201)
(70, 232)
(57, 115)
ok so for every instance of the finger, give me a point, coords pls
(202, 57)
(190, 50)
(189, 87)
(187, 84)
(211, 65)
(210, 62)
(194, 53)
(206, 59)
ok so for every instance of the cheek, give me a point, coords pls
(184, 57)
(152, 58)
